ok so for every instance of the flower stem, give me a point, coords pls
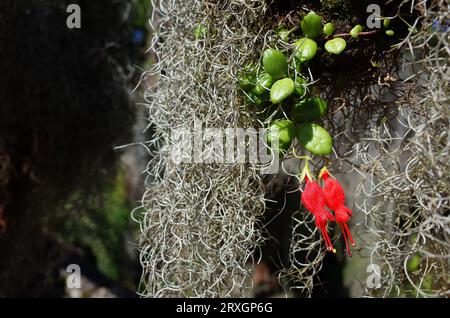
(360, 34)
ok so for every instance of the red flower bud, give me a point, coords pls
(335, 199)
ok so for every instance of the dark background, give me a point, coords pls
(65, 103)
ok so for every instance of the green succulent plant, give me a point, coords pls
(275, 63)
(335, 46)
(311, 25)
(281, 89)
(284, 131)
(328, 29)
(356, 30)
(315, 139)
(305, 49)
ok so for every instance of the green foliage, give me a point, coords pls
(258, 100)
(328, 29)
(305, 49)
(281, 89)
(414, 262)
(283, 34)
(263, 84)
(65, 106)
(275, 63)
(311, 25)
(101, 227)
(354, 32)
(140, 16)
(335, 46)
(283, 130)
(309, 110)
(289, 88)
(247, 80)
(315, 139)
(301, 87)
(200, 32)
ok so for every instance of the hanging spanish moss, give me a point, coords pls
(204, 227)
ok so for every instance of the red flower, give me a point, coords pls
(335, 198)
(314, 201)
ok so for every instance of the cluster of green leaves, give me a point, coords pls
(278, 80)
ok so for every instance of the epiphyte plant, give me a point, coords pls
(278, 80)
(281, 89)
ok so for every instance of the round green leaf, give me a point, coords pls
(386, 22)
(328, 29)
(390, 32)
(335, 46)
(275, 63)
(414, 262)
(315, 139)
(309, 110)
(281, 89)
(311, 25)
(263, 84)
(283, 130)
(305, 49)
(355, 31)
